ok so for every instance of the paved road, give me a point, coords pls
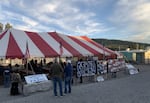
(127, 89)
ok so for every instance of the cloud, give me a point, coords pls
(91, 27)
(71, 19)
(142, 12)
(43, 7)
(117, 19)
(38, 28)
(64, 15)
(17, 19)
(90, 2)
(127, 11)
(133, 17)
(29, 21)
(48, 8)
(7, 16)
(5, 2)
(142, 37)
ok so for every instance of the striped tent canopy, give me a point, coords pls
(14, 44)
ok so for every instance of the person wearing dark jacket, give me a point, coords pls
(56, 72)
(7, 76)
(68, 76)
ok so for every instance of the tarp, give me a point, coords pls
(14, 43)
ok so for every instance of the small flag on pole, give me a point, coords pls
(61, 49)
(27, 54)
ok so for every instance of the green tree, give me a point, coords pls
(1, 27)
(8, 26)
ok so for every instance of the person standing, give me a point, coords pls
(68, 71)
(16, 80)
(56, 72)
(7, 76)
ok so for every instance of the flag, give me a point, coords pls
(61, 49)
(27, 54)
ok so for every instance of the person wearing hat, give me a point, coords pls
(68, 76)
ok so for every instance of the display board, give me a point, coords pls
(86, 68)
(35, 78)
(101, 67)
(116, 65)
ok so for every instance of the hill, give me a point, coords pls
(121, 45)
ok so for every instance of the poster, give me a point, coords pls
(86, 68)
(35, 78)
(101, 67)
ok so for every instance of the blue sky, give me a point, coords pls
(110, 19)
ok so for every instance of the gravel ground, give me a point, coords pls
(123, 89)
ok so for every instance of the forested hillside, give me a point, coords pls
(121, 45)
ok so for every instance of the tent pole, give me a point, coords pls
(27, 66)
(59, 59)
(10, 61)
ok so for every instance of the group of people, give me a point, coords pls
(57, 73)
(11, 79)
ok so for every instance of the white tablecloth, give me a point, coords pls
(36, 87)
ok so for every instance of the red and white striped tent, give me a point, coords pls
(14, 44)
